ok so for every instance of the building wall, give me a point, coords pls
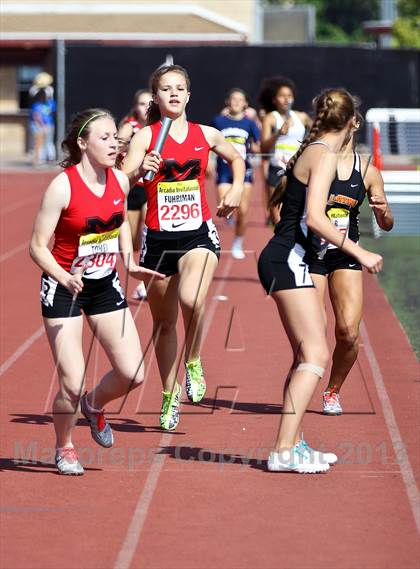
(27, 19)
(175, 16)
(12, 123)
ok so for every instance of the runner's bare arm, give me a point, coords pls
(374, 184)
(125, 134)
(136, 162)
(55, 199)
(268, 137)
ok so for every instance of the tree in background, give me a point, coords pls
(339, 21)
(406, 29)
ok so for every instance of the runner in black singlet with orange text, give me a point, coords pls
(341, 273)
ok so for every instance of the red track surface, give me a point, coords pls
(200, 497)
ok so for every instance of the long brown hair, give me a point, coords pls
(153, 112)
(80, 127)
(333, 109)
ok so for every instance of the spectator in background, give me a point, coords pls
(38, 127)
(43, 102)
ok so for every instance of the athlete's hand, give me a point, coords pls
(151, 161)
(139, 273)
(371, 261)
(379, 204)
(74, 283)
(230, 202)
(284, 129)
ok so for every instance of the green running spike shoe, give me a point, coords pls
(195, 385)
(169, 417)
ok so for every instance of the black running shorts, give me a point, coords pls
(97, 297)
(161, 250)
(282, 268)
(333, 260)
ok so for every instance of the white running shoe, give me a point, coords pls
(237, 251)
(329, 457)
(297, 459)
(140, 292)
(67, 462)
(331, 402)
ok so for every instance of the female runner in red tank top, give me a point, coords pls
(180, 238)
(84, 208)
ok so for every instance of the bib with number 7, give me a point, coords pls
(179, 205)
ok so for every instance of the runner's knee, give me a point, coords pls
(71, 390)
(347, 335)
(163, 326)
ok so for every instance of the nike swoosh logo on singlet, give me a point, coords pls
(197, 148)
(354, 185)
(116, 202)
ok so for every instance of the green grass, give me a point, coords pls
(400, 276)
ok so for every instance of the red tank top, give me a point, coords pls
(87, 231)
(176, 197)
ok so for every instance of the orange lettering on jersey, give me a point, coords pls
(350, 202)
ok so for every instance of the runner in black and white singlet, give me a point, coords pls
(83, 208)
(339, 272)
(283, 131)
(283, 271)
(180, 238)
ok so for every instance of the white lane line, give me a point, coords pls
(21, 350)
(394, 432)
(135, 528)
(128, 549)
(14, 251)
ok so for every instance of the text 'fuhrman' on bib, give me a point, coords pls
(97, 252)
(179, 205)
